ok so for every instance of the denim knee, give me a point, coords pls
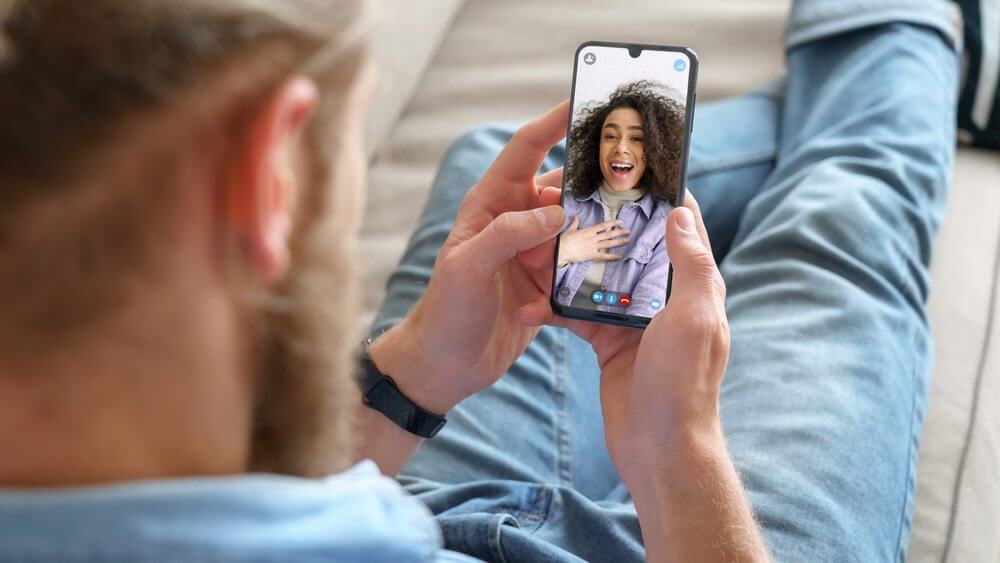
(481, 140)
(471, 154)
(858, 227)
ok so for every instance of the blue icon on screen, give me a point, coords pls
(597, 296)
(655, 303)
(611, 298)
(680, 65)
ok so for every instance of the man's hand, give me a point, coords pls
(660, 400)
(666, 393)
(661, 383)
(464, 332)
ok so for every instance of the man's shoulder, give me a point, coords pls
(357, 515)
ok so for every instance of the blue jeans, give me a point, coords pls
(822, 195)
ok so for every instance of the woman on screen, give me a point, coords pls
(622, 172)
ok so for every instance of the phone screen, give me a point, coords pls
(626, 160)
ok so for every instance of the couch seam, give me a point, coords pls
(563, 436)
(974, 410)
(911, 472)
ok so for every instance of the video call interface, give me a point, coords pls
(621, 179)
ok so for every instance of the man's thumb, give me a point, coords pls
(695, 272)
(513, 232)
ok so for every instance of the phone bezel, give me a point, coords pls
(692, 96)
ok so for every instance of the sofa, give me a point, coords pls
(450, 64)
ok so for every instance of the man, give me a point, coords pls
(180, 187)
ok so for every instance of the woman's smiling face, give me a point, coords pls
(622, 149)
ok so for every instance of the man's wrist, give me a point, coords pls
(682, 450)
(398, 354)
(675, 473)
(692, 505)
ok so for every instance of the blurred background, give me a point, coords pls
(448, 65)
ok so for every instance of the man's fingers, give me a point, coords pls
(535, 313)
(540, 257)
(691, 203)
(551, 178)
(539, 312)
(608, 256)
(510, 233)
(520, 159)
(695, 273)
(549, 196)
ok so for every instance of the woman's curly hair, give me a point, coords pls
(663, 124)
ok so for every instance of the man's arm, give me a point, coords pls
(465, 331)
(693, 507)
(382, 440)
(660, 401)
(688, 496)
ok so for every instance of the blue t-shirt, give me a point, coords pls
(358, 515)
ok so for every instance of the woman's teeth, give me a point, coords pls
(620, 169)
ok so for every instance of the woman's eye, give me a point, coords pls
(611, 137)
(637, 139)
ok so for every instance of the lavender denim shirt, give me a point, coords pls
(641, 273)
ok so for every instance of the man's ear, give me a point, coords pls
(261, 197)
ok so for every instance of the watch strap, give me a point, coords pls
(380, 392)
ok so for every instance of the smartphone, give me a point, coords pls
(626, 161)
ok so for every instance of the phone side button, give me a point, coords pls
(694, 114)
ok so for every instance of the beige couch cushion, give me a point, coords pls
(958, 503)
(406, 38)
(512, 60)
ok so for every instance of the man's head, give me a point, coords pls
(179, 195)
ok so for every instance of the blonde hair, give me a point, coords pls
(79, 78)
(70, 71)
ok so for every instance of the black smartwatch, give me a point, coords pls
(379, 392)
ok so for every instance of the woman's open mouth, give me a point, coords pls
(620, 168)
